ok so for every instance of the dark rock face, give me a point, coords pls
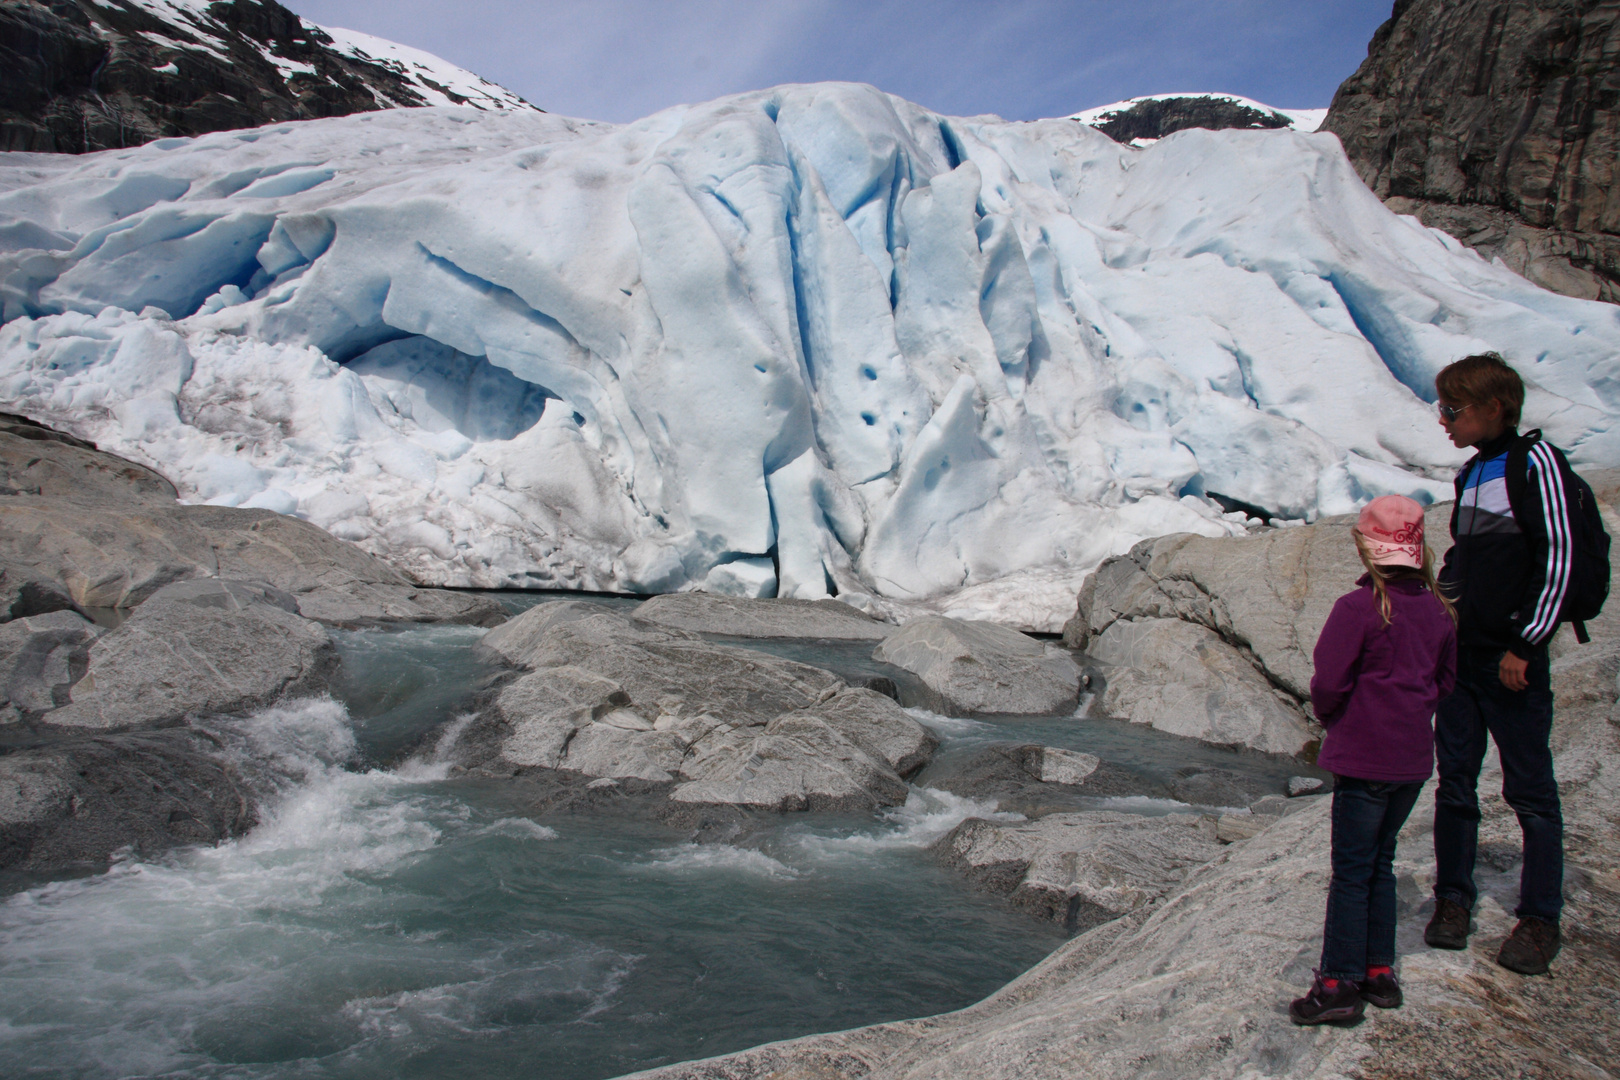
(1497, 122)
(72, 804)
(1158, 117)
(82, 75)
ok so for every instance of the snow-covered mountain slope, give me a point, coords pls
(435, 81)
(800, 340)
(1140, 120)
(86, 75)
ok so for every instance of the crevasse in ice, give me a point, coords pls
(807, 341)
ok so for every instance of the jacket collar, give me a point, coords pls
(1497, 446)
(1406, 583)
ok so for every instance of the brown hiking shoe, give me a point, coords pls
(1531, 947)
(1450, 927)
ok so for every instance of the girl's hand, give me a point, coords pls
(1512, 672)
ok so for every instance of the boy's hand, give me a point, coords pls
(1512, 672)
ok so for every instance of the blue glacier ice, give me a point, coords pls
(807, 341)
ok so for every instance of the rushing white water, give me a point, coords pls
(401, 923)
(408, 922)
(705, 858)
(926, 815)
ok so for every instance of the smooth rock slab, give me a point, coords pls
(612, 697)
(108, 533)
(1271, 592)
(103, 555)
(203, 646)
(41, 657)
(333, 581)
(37, 460)
(799, 762)
(1082, 869)
(1181, 677)
(978, 667)
(733, 616)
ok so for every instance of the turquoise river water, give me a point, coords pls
(388, 919)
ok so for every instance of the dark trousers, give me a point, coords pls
(1520, 724)
(1360, 929)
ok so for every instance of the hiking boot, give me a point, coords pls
(1321, 1005)
(1531, 947)
(1450, 927)
(1382, 990)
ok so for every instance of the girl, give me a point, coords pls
(1387, 655)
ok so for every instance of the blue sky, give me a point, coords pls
(1022, 59)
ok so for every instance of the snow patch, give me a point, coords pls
(438, 81)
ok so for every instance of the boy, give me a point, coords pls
(1507, 577)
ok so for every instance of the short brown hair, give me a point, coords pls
(1480, 379)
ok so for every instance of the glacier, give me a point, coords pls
(808, 341)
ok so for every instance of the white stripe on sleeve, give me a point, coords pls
(1559, 545)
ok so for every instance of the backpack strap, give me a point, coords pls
(1517, 476)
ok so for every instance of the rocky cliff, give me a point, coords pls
(1155, 117)
(1499, 122)
(82, 75)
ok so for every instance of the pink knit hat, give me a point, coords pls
(1392, 526)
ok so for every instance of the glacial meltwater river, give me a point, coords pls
(388, 919)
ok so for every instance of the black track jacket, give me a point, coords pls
(1508, 576)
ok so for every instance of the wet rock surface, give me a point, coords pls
(1498, 123)
(1081, 869)
(205, 646)
(1217, 787)
(731, 616)
(72, 804)
(977, 667)
(1038, 780)
(616, 698)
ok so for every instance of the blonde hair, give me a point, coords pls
(1381, 575)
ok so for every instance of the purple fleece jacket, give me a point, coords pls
(1376, 686)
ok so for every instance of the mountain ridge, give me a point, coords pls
(83, 75)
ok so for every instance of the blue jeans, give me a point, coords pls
(1520, 724)
(1360, 929)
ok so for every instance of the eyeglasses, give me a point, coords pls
(1448, 414)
